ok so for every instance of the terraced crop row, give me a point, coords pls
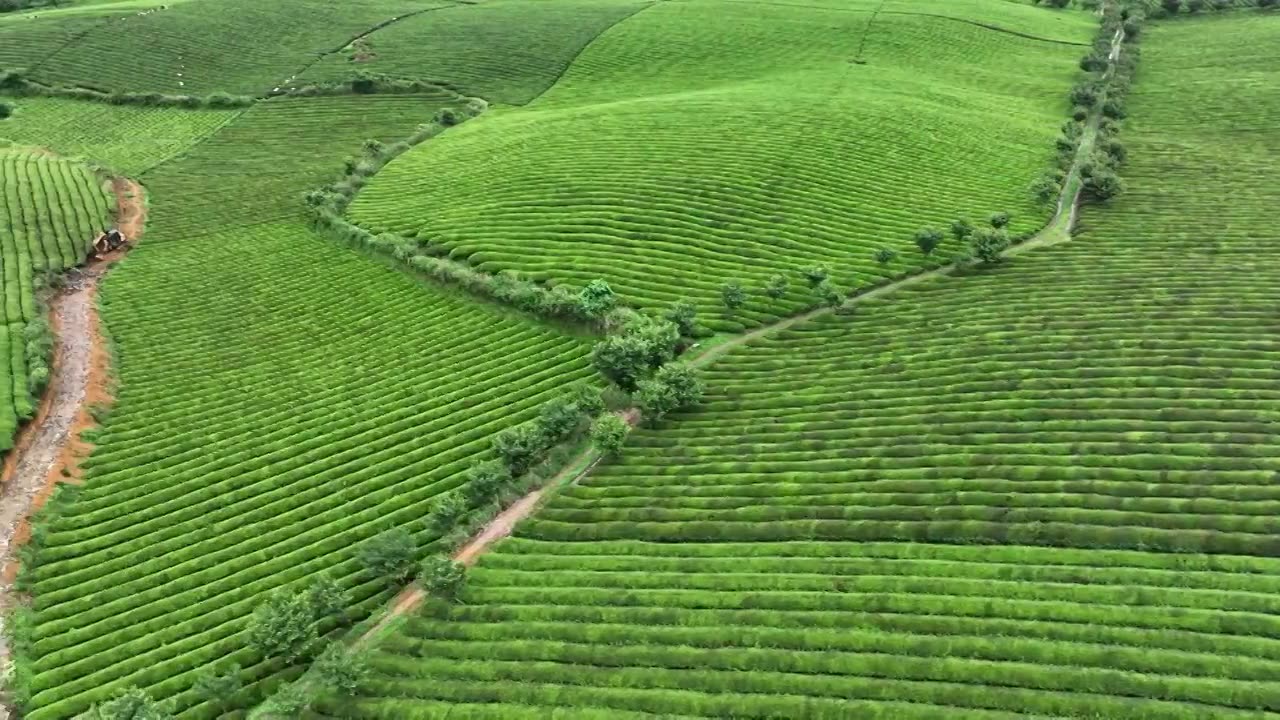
(51, 209)
(256, 169)
(281, 399)
(702, 142)
(1079, 445)
(507, 51)
(127, 139)
(837, 630)
(200, 47)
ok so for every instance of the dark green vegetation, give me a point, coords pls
(51, 209)
(1044, 489)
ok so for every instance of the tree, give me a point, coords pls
(132, 704)
(830, 295)
(987, 245)
(441, 576)
(389, 554)
(287, 702)
(815, 275)
(1000, 220)
(325, 597)
(484, 481)
(609, 434)
(1046, 188)
(1195, 6)
(587, 399)
(777, 287)
(283, 626)
(1171, 6)
(445, 513)
(683, 314)
(597, 299)
(1268, 3)
(928, 240)
(519, 447)
(340, 670)
(627, 357)
(6, 110)
(884, 256)
(733, 296)
(674, 387)
(557, 419)
(961, 229)
(219, 686)
(1103, 185)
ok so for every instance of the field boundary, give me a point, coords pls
(569, 63)
(49, 448)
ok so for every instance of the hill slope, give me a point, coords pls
(1101, 414)
(702, 142)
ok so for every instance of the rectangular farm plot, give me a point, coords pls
(699, 143)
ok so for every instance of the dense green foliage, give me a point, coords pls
(51, 209)
(699, 143)
(1044, 489)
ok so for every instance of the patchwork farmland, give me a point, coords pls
(412, 271)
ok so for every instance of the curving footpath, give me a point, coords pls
(47, 449)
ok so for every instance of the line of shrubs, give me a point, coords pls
(366, 83)
(14, 82)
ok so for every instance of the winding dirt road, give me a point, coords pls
(48, 449)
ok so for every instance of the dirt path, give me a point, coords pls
(49, 449)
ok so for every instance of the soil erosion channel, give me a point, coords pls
(49, 447)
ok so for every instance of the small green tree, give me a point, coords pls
(928, 240)
(287, 702)
(831, 296)
(684, 314)
(341, 670)
(283, 626)
(627, 357)
(446, 510)
(6, 110)
(884, 256)
(132, 704)
(218, 686)
(609, 434)
(325, 597)
(441, 576)
(999, 220)
(733, 296)
(816, 274)
(484, 481)
(587, 399)
(1171, 6)
(1103, 185)
(987, 245)
(674, 387)
(597, 299)
(389, 555)
(777, 287)
(961, 230)
(519, 447)
(1046, 188)
(557, 419)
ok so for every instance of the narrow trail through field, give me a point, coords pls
(48, 449)
(1058, 229)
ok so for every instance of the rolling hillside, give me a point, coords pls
(698, 143)
(1043, 490)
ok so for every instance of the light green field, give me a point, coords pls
(51, 209)
(195, 47)
(702, 142)
(129, 140)
(1042, 490)
(506, 51)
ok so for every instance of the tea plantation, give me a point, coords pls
(50, 211)
(1039, 485)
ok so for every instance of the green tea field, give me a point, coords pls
(519, 360)
(50, 211)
